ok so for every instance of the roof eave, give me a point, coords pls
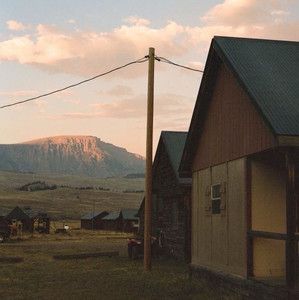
(288, 140)
(204, 92)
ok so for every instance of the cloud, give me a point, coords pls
(134, 20)
(243, 12)
(15, 25)
(72, 101)
(19, 93)
(269, 19)
(118, 90)
(87, 53)
(166, 106)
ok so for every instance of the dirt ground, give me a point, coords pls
(40, 276)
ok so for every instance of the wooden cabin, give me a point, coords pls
(113, 221)
(28, 220)
(93, 220)
(130, 220)
(23, 217)
(171, 197)
(242, 151)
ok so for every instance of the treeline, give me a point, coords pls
(85, 187)
(42, 185)
(37, 186)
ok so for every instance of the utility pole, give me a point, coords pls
(149, 162)
(93, 213)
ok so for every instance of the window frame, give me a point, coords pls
(216, 200)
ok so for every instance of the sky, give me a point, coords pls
(46, 45)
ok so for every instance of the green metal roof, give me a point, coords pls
(174, 142)
(130, 214)
(268, 70)
(91, 215)
(112, 216)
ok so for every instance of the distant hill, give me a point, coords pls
(74, 155)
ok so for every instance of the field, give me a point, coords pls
(42, 277)
(69, 202)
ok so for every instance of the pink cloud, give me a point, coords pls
(118, 90)
(168, 106)
(19, 93)
(245, 18)
(244, 12)
(15, 25)
(134, 20)
(88, 53)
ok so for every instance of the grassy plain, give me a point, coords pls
(69, 202)
(42, 277)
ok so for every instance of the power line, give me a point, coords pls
(141, 60)
(138, 61)
(165, 60)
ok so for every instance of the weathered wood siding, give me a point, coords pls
(233, 128)
(268, 200)
(170, 208)
(219, 240)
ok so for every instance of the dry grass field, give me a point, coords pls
(40, 276)
(69, 202)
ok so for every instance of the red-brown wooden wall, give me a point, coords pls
(233, 128)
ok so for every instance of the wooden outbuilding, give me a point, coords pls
(5, 230)
(28, 219)
(130, 220)
(242, 151)
(25, 219)
(113, 221)
(171, 197)
(93, 220)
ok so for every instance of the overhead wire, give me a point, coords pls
(165, 60)
(138, 61)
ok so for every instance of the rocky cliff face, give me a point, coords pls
(76, 155)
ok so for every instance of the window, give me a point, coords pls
(216, 198)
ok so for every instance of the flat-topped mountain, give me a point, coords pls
(76, 155)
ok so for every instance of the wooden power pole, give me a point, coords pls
(149, 162)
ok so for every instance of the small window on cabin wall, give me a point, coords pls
(216, 198)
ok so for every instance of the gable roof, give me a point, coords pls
(91, 215)
(267, 70)
(130, 214)
(174, 142)
(25, 213)
(18, 213)
(112, 216)
(3, 212)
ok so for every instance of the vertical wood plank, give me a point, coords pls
(249, 218)
(291, 243)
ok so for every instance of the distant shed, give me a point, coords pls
(29, 219)
(113, 221)
(93, 220)
(19, 215)
(130, 220)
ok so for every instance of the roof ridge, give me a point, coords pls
(253, 39)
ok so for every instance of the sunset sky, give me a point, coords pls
(45, 45)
